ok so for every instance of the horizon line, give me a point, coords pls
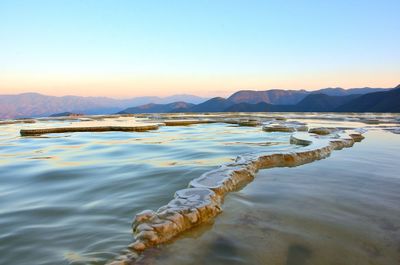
(188, 94)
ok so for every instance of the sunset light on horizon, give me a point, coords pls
(206, 48)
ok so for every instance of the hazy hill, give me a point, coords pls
(37, 105)
(337, 91)
(327, 99)
(309, 102)
(292, 97)
(65, 114)
(217, 104)
(159, 108)
(273, 96)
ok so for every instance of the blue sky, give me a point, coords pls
(131, 48)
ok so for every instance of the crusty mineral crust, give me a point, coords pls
(7, 122)
(322, 130)
(138, 128)
(201, 202)
(283, 126)
(185, 122)
(110, 126)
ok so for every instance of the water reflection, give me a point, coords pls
(341, 210)
(69, 198)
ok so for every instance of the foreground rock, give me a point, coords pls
(40, 131)
(101, 125)
(283, 126)
(202, 201)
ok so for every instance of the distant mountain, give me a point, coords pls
(292, 97)
(322, 102)
(138, 101)
(65, 114)
(337, 91)
(311, 103)
(38, 105)
(273, 96)
(258, 107)
(159, 108)
(217, 104)
(181, 98)
(386, 101)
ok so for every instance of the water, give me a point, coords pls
(70, 198)
(340, 210)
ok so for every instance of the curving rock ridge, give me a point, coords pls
(202, 201)
(120, 124)
(189, 208)
(40, 131)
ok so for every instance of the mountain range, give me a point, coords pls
(38, 105)
(323, 100)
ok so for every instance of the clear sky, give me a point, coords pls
(204, 47)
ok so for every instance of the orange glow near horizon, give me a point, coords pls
(123, 86)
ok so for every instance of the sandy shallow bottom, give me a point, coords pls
(70, 198)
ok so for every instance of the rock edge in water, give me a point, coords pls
(138, 128)
(203, 199)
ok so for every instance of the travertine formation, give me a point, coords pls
(122, 128)
(185, 122)
(7, 122)
(322, 130)
(282, 126)
(202, 200)
(101, 124)
(189, 208)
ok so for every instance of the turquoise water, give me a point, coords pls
(70, 198)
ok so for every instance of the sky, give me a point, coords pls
(129, 48)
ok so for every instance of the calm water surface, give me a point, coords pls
(341, 210)
(70, 198)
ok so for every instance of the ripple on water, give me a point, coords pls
(77, 207)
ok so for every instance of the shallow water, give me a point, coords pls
(341, 210)
(70, 198)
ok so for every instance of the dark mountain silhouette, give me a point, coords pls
(273, 96)
(322, 102)
(337, 91)
(386, 101)
(311, 103)
(292, 97)
(159, 108)
(217, 104)
(259, 107)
